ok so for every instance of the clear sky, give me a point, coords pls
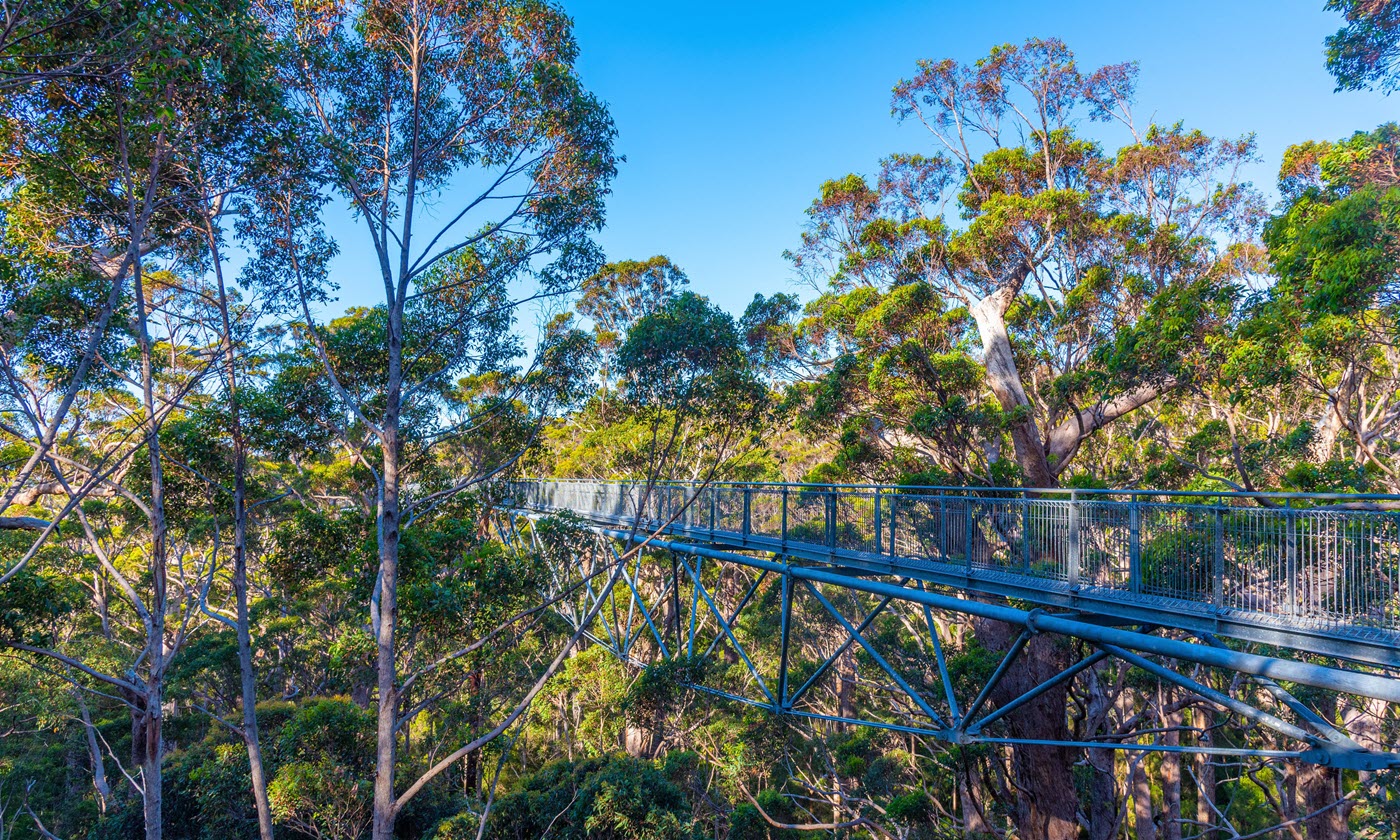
(732, 113)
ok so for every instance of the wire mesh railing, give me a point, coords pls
(1326, 561)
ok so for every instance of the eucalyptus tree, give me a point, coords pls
(1021, 285)
(100, 200)
(472, 158)
(1324, 333)
(622, 292)
(60, 39)
(236, 167)
(689, 376)
(1081, 287)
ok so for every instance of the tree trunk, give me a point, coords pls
(152, 750)
(1005, 380)
(242, 622)
(387, 619)
(1171, 770)
(152, 747)
(1329, 422)
(1320, 789)
(1144, 827)
(974, 817)
(99, 766)
(1103, 795)
(1047, 804)
(846, 685)
(1205, 775)
(1103, 764)
(99, 588)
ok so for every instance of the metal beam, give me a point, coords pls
(875, 654)
(1219, 698)
(1069, 673)
(738, 648)
(1317, 676)
(1327, 746)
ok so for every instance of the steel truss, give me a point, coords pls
(674, 599)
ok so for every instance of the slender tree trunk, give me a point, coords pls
(387, 618)
(1171, 770)
(1144, 827)
(99, 588)
(247, 675)
(152, 747)
(1205, 774)
(99, 767)
(975, 825)
(1329, 423)
(846, 685)
(1103, 764)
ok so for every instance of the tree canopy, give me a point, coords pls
(254, 573)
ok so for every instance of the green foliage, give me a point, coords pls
(746, 823)
(1362, 54)
(606, 797)
(323, 787)
(687, 357)
(654, 692)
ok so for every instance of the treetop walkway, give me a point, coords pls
(1304, 575)
(1316, 573)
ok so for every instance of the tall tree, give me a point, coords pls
(1088, 280)
(1326, 329)
(102, 195)
(622, 292)
(416, 102)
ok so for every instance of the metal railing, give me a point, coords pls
(1304, 561)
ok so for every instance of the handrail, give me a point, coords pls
(978, 489)
(1329, 570)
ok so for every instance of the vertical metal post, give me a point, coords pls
(1218, 595)
(942, 528)
(783, 538)
(1073, 571)
(967, 509)
(1025, 532)
(694, 606)
(879, 535)
(1291, 559)
(748, 511)
(784, 633)
(831, 519)
(713, 502)
(676, 598)
(894, 522)
(1134, 545)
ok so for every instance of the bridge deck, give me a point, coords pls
(1309, 577)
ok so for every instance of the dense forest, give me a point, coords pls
(249, 584)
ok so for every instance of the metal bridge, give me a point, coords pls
(1156, 579)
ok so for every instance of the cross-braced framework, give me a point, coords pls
(648, 585)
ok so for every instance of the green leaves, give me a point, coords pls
(687, 357)
(1363, 53)
(613, 798)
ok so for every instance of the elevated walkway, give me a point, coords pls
(1152, 580)
(1318, 574)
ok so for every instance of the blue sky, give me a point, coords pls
(731, 114)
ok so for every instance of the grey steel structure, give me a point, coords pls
(1313, 575)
